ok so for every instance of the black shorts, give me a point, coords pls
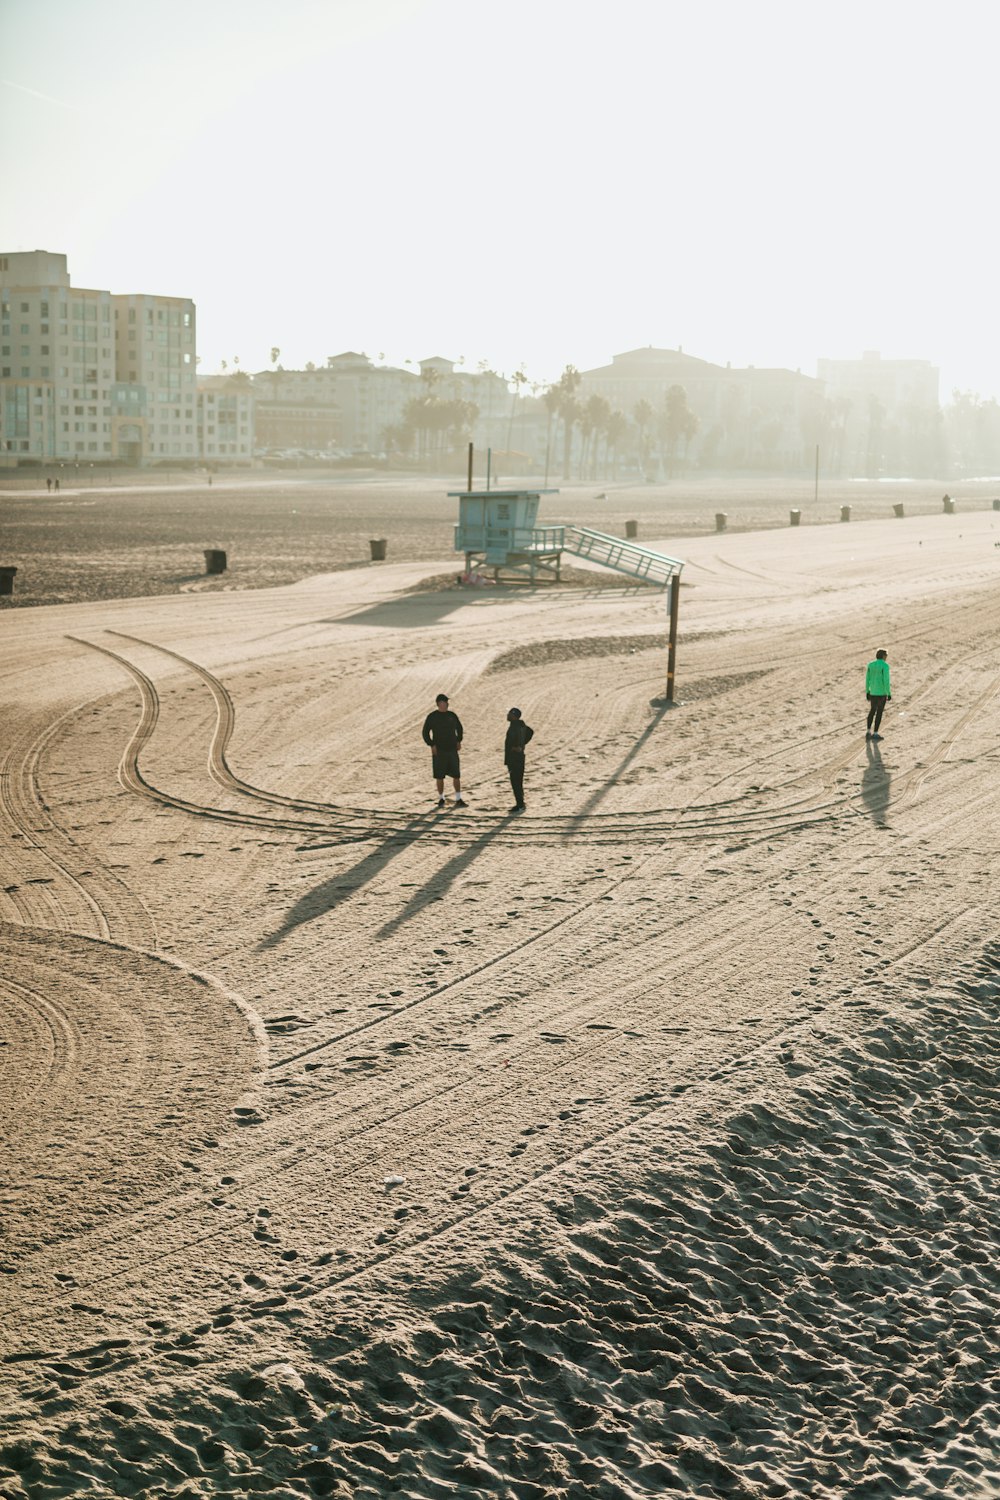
(445, 763)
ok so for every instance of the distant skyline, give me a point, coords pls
(526, 184)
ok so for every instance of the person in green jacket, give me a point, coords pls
(878, 693)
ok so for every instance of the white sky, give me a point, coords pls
(525, 181)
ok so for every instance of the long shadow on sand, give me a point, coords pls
(598, 796)
(442, 880)
(340, 888)
(875, 784)
(410, 611)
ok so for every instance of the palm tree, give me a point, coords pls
(642, 412)
(596, 412)
(615, 429)
(517, 380)
(551, 399)
(678, 423)
(568, 408)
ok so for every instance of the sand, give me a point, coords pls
(146, 534)
(643, 1145)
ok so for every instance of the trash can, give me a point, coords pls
(897, 510)
(845, 512)
(215, 560)
(631, 529)
(794, 517)
(720, 520)
(378, 549)
(949, 505)
(996, 505)
(7, 580)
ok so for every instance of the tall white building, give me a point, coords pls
(154, 417)
(86, 376)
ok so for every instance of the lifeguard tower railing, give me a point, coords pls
(621, 557)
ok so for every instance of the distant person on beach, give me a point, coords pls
(48, 483)
(443, 732)
(878, 693)
(517, 736)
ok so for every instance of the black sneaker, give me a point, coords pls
(518, 807)
(442, 802)
(460, 803)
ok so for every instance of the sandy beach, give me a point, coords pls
(643, 1145)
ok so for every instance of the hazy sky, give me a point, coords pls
(524, 181)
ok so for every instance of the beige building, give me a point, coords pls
(348, 404)
(886, 414)
(88, 377)
(353, 405)
(745, 417)
(154, 418)
(57, 363)
(225, 420)
(895, 383)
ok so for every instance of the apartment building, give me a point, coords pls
(57, 362)
(349, 403)
(353, 404)
(154, 416)
(225, 420)
(87, 376)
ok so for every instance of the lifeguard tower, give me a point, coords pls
(496, 530)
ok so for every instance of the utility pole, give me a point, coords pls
(674, 607)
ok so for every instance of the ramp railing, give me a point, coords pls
(609, 552)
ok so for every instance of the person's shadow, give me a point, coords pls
(875, 783)
(342, 886)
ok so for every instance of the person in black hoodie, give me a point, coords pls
(442, 731)
(518, 735)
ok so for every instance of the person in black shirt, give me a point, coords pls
(517, 736)
(443, 732)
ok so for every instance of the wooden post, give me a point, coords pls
(489, 466)
(470, 468)
(675, 599)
